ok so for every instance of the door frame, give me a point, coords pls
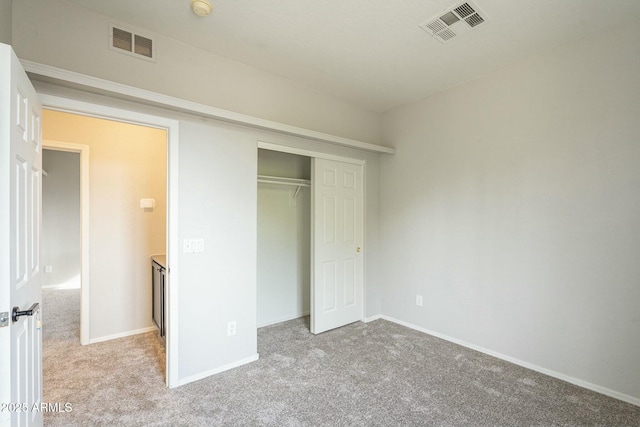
(172, 127)
(85, 265)
(283, 148)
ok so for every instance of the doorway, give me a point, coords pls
(172, 128)
(332, 269)
(284, 237)
(128, 164)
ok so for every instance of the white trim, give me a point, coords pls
(142, 95)
(374, 318)
(308, 153)
(85, 264)
(172, 127)
(90, 109)
(218, 370)
(283, 319)
(172, 252)
(558, 375)
(122, 335)
(365, 240)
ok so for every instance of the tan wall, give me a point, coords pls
(127, 163)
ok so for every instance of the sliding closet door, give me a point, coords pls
(337, 237)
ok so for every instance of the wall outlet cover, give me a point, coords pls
(231, 328)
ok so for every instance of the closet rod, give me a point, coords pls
(284, 181)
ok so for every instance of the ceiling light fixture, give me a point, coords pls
(201, 7)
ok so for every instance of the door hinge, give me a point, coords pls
(4, 319)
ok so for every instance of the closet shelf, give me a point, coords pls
(293, 182)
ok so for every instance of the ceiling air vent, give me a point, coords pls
(128, 42)
(455, 21)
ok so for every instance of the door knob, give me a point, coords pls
(17, 313)
(4, 319)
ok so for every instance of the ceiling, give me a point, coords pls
(371, 53)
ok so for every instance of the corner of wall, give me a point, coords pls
(62, 34)
(6, 18)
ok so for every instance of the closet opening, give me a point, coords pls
(284, 237)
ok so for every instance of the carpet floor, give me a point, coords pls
(374, 374)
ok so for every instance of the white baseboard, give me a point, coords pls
(62, 286)
(376, 317)
(283, 319)
(222, 368)
(122, 335)
(558, 375)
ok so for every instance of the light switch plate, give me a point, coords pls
(190, 246)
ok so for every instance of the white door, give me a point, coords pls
(337, 237)
(20, 225)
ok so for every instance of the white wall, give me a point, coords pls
(5, 21)
(61, 218)
(512, 206)
(57, 33)
(284, 240)
(126, 163)
(217, 203)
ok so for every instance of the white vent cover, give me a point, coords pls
(455, 21)
(128, 42)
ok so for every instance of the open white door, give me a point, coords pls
(20, 225)
(337, 237)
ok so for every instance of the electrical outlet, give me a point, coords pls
(231, 328)
(419, 300)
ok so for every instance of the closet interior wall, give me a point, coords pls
(284, 239)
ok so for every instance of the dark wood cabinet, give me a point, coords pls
(158, 274)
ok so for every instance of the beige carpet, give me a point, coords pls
(375, 374)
